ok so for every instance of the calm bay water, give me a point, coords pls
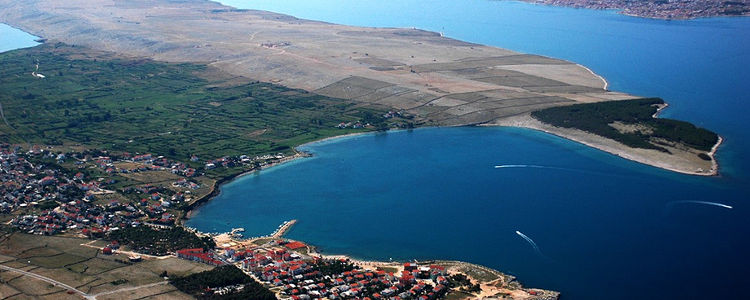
(12, 38)
(607, 228)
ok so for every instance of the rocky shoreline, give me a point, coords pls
(492, 283)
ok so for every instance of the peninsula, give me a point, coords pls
(216, 92)
(436, 81)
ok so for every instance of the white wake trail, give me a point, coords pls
(701, 202)
(523, 166)
(530, 241)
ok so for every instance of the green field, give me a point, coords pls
(176, 110)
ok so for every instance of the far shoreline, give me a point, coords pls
(622, 153)
(621, 11)
(600, 143)
(301, 154)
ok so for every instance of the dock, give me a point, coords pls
(283, 228)
(236, 232)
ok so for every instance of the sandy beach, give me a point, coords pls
(681, 161)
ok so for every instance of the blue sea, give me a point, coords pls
(605, 227)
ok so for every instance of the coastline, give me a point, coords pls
(623, 11)
(519, 121)
(606, 83)
(216, 189)
(660, 109)
(438, 45)
(603, 159)
(491, 281)
(331, 138)
(712, 154)
(643, 156)
(35, 39)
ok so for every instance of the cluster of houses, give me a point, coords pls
(154, 199)
(393, 114)
(242, 160)
(185, 183)
(200, 255)
(666, 9)
(226, 290)
(355, 125)
(35, 185)
(300, 277)
(424, 283)
(91, 220)
(147, 162)
(175, 167)
(26, 184)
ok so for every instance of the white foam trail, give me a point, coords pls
(539, 167)
(531, 242)
(560, 169)
(701, 202)
(526, 166)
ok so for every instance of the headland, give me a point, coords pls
(435, 80)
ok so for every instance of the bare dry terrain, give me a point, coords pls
(439, 80)
(447, 81)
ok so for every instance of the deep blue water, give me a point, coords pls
(12, 38)
(607, 228)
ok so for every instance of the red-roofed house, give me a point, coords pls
(295, 245)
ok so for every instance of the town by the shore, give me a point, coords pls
(667, 10)
(288, 267)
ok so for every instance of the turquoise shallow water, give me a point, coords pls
(607, 228)
(12, 38)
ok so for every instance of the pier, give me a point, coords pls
(236, 233)
(283, 228)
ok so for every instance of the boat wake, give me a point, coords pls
(531, 242)
(523, 166)
(558, 169)
(535, 167)
(673, 203)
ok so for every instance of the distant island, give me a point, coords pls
(661, 9)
